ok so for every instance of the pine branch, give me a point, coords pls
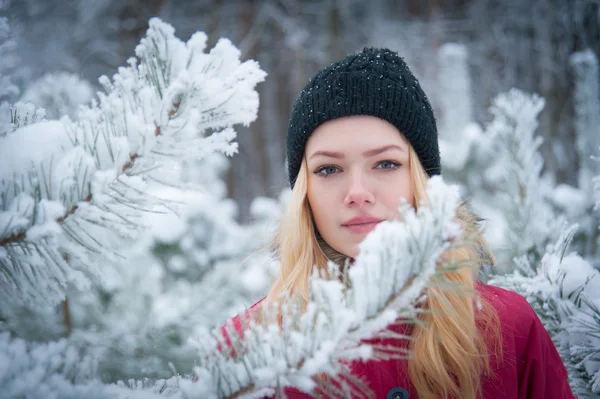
(64, 369)
(561, 292)
(87, 190)
(523, 191)
(397, 261)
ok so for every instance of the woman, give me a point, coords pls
(362, 135)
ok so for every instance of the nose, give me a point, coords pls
(358, 193)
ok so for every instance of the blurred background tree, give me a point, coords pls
(514, 43)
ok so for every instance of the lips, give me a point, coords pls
(361, 224)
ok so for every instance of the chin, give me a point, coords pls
(351, 252)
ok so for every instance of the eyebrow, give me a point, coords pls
(376, 151)
(368, 153)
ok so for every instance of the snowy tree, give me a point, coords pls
(91, 177)
(8, 90)
(500, 168)
(455, 90)
(523, 193)
(63, 370)
(527, 214)
(60, 94)
(192, 270)
(74, 201)
(578, 202)
(8, 60)
(22, 113)
(587, 114)
(460, 138)
(563, 289)
(562, 286)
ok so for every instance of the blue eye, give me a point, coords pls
(327, 170)
(388, 165)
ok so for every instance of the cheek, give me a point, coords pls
(322, 210)
(317, 205)
(393, 197)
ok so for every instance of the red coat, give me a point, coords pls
(531, 366)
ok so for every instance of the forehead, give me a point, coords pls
(354, 132)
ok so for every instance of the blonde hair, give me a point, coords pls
(449, 352)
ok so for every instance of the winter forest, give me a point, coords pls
(142, 178)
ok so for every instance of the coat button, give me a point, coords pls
(397, 393)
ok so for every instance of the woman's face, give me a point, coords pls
(358, 172)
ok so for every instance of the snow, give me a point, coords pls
(586, 98)
(18, 216)
(59, 93)
(42, 142)
(563, 290)
(455, 98)
(572, 200)
(577, 273)
(523, 193)
(47, 212)
(456, 153)
(586, 56)
(95, 169)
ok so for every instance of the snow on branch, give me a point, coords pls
(397, 261)
(70, 191)
(62, 369)
(523, 192)
(563, 292)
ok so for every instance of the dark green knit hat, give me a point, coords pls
(374, 82)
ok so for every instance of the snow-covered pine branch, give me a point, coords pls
(396, 262)
(523, 193)
(193, 271)
(562, 287)
(60, 369)
(171, 283)
(20, 114)
(563, 292)
(70, 191)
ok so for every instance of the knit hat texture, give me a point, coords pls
(375, 82)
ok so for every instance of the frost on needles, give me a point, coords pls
(397, 261)
(71, 191)
(560, 284)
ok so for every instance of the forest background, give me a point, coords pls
(142, 175)
(513, 43)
